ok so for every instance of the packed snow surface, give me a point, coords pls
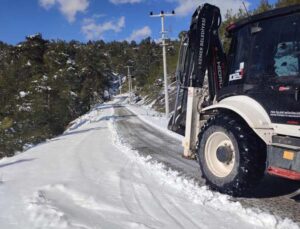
(87, 178)
(158, 120)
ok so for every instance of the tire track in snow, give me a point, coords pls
(190, 219)
(157, 196)
(149, 141)
(45, 214)
(161, 208)
(168, 203)
(45, 207)
(78, 210)
(138, 208)
(163, 203)
(130, 197)
(89, 173)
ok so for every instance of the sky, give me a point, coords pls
(109, 20)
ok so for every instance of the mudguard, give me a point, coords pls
(251, 111)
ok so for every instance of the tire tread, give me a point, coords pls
(253, 156)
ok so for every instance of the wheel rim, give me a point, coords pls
(215, 142)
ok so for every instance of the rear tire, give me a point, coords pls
(231, 156)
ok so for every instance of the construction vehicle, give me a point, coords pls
(240, 112)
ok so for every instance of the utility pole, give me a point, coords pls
(162, 15)
(129, 82)
(120, 84)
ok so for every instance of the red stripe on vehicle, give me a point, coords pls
(292, 175)
(293, 122)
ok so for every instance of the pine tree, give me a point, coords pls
(263, 6)
(283, 3)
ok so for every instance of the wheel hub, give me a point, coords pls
(219, 154)
(224, 154)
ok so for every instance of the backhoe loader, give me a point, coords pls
(240, 111)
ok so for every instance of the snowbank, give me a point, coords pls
(201, 196)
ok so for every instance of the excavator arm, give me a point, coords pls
(201, 52)
(206, 49)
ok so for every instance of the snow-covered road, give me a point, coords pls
(88, 178)
(145, 131)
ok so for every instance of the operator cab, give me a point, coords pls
(264, 62)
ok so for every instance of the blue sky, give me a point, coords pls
(85, 20)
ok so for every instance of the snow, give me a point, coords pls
(70, 69)
(155, 119)
(72, 93)
(22, 94)
(25, 107)
(200, 196)
(33, 36)
(43, 88)
(70, 61)
(88, 178)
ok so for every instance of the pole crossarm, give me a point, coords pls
(162, 15)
